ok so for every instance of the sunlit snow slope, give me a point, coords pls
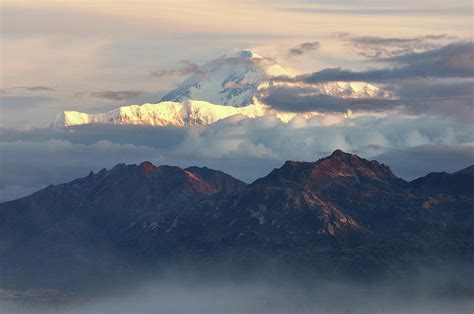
(162, 114)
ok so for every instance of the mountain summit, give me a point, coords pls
(232, 79)
(338, 169)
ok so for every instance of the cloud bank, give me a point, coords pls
(245, 148)
(433, 82)
(451, 61)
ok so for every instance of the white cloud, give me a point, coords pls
(267, 137)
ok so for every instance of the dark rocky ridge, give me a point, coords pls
(458, 183)
(339, 215)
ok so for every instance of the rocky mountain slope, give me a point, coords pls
(341, 215)
(458, 183)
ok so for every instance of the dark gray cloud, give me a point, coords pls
(381, 47)
(443, 101)
(29, 89)
(302, 99)
(117, 95)
(438, 36)
(304, 48)
(185, 68)
(420, 88)
(451, 61)
(438, 81)
(455, 56)
(36, 88)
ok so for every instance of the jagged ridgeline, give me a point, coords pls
(341, 216)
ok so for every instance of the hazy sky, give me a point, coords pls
(76, 48)
(94, 55)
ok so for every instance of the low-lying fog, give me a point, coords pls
(169, 296)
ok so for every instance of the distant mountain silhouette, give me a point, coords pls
(458, 183)
(340, 215)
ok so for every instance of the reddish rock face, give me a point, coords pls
(192, 181)
(338, 170)
(147, 167)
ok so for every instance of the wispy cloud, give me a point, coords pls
(117, 95)
(380, 47)
(304, 48)
(389, 11)
(186, 67)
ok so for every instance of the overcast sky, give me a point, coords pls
(96, 55)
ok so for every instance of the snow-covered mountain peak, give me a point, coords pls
(230, 85)
(232, 79)
(237, 78)
(245, 54)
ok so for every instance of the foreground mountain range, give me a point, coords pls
(341, 216)
(221, 88)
